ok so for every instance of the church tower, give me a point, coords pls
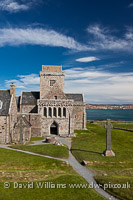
(49, 76)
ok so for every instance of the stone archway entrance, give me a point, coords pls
(54, 128)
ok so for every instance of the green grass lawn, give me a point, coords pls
(24, 168)
(88, 145)
(36, 138)
(119, 124)
(46, 149)
(51, 194)
(125, 125)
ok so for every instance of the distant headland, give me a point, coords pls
(110, 106)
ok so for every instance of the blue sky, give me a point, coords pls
(92, 39)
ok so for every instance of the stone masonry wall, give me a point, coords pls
(26, 134)
(62, 123)
(79, 116)
(46, 77)
(28, 108)
(12, 115)
(4, 129)
(55, 91)
(35, 121)
(52, 68)
(65, 124)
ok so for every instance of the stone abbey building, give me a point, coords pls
(45, 113)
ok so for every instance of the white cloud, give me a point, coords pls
(129, 33)
(87, 59)
(30, 79)
(98, 86)
(130, 5)
(24, 81)
(38, 36)
(13, 6)
(103, 39)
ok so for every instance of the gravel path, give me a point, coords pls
(80, 169)
(83, 171)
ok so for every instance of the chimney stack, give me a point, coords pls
(12, 89)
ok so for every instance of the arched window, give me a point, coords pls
(50, 112)
(54, 112)
(59, 112)
(45, 111)
(64, 112)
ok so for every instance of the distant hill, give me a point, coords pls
(109, 106)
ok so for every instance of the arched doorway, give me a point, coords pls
(54, 128)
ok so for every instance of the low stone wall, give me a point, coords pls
(123, 129)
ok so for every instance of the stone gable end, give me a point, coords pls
(55, 92)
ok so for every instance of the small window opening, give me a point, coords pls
(59, 112)
(50, 112)
(52, 82)
(64, 112)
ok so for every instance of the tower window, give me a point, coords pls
(52, 82)
(64, 112)
(50, 112)
(45, 111)
(54, 112)
(55, 97)
(59, 112)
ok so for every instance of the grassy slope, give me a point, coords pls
(21, 167)
(88, 145)
(51, 194)
(46, 149)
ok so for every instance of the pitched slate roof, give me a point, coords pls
(5, 98)
(75, 97)
(30, 98)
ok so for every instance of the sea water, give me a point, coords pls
(100, 114)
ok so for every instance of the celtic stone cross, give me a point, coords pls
(108, 151)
